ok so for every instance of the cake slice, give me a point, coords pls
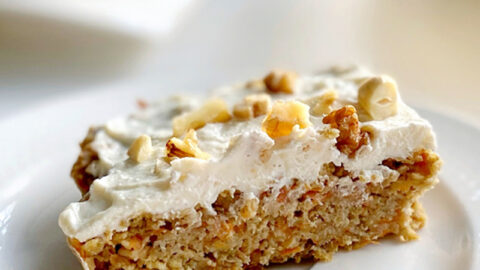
(285, 168)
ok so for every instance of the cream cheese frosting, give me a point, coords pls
(236, 150)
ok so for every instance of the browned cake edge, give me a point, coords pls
(87, 155)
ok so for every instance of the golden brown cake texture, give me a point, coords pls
(298, 220)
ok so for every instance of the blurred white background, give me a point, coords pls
(53, 48)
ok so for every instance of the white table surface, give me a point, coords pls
(431, 47)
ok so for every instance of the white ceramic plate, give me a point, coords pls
(38, 146)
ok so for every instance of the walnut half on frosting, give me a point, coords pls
(351, 137)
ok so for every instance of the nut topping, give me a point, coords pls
(350, 137)
(279, 81)
(141, 149)
(213, 111)
(256, 85)
(378, 96)
(284, 116)
(323, 103)
(252, 106)
(187, 147)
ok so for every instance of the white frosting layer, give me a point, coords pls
(236, 149)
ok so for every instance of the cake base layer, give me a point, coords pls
(295, 222)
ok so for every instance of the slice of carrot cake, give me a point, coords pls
(284, 168)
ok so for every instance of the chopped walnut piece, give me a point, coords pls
(260, 103)
(256, 85)
(252, 106)
(323, 103)
(213, 111)
(242, 111)
(141, 149)
(279, 81)
(351, 138)
(187, 147)
(284, 116)
(378, 96)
